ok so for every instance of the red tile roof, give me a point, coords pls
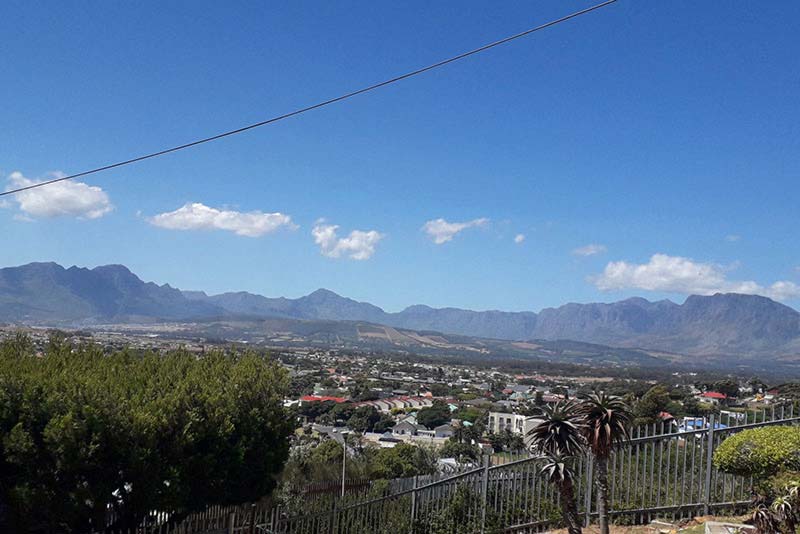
(714, 395)
(315, 398)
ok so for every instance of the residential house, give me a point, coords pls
(714, 397)
(443, 431)
(407, 428)
(517, 423)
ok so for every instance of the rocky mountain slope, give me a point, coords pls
(718, 324)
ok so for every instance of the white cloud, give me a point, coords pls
(519, 238)
(732, 238)
(441, 231)
(197, 216)
(589, 250)
(674, 274)
(68, 198)
(359, 245)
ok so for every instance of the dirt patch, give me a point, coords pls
(684, 526)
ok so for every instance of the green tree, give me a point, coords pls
(316, 409)
(461, 451)
(495, 440)
(757, 385)
(605, 421)
(435, 415)
(760, 452)
(691, 407)
(403, 460)
(655, 401)
(363, 419)
(384, 423)
(728, 386)
(339, 415)
(81, 430)
(771, 455)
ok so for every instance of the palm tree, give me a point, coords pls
(559, 432)
(557, 471)
(559, 438)
(604, 424)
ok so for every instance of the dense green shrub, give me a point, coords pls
(760, 452)
(81, 430)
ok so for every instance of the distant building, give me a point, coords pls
(407, 428)
(518, 424)
(714, 397)
(518, 388)
(477, 402)
(400, 403)
(443, 431)
(321, 398)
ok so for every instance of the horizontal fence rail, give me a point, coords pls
(662, 471)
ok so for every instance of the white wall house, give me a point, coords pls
(516, 423)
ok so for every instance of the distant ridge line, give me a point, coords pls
(46, 293)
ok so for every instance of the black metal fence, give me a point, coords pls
(663, 471)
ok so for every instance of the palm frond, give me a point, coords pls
(556, 468)
(560, 431)
(782, 508)
(764, 520)
(604, 422)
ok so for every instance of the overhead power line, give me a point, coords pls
(314, 106)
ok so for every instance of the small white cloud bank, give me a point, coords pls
(358, 245)
(61, 199)
(441, 231)
(675, 274)
(519, 239)
(198, 216)
(589, 250)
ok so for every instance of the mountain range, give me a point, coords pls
(735, 324)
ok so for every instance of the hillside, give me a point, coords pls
(718, 325)
(49, 293)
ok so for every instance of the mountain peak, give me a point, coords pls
(418, 308)
(324, 293)
(41, 266)
(734, 299)
(113, 268)
(724, 323)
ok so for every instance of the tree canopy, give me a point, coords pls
(760, 452)
(435, 415)
(655, 401)
(82, 430)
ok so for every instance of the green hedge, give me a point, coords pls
(760, 452)
(81, 430)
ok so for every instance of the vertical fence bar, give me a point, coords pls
(484, 493)
(413, 505)
(587, 499)
(709, 465)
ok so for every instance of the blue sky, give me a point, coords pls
(663, 133)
